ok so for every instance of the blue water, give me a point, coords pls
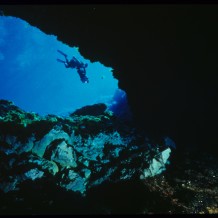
(31, 77)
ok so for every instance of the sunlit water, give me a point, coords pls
(34, 80)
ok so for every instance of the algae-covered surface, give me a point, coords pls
(35, 181)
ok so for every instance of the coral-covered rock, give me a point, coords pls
(34, 174)
(93, 110)
(63, 155)
(40, 146)
(92, 148)
(76, 153)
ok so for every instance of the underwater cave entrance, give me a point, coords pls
(35, 81)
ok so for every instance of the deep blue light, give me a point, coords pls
(31, 77)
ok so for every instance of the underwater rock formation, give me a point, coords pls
(78, 152)
(164, 57)
(84, 164)
(94, 110)
(165, 60)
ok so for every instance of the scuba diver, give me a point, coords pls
(82, 73)
(74, 63)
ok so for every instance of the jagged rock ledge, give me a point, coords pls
(78, 152)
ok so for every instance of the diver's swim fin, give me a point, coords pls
(59, 60)
(62, 53)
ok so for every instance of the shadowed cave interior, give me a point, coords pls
(164, 58)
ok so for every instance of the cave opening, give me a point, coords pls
(34, 79)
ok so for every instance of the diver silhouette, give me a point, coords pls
(74, 63)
